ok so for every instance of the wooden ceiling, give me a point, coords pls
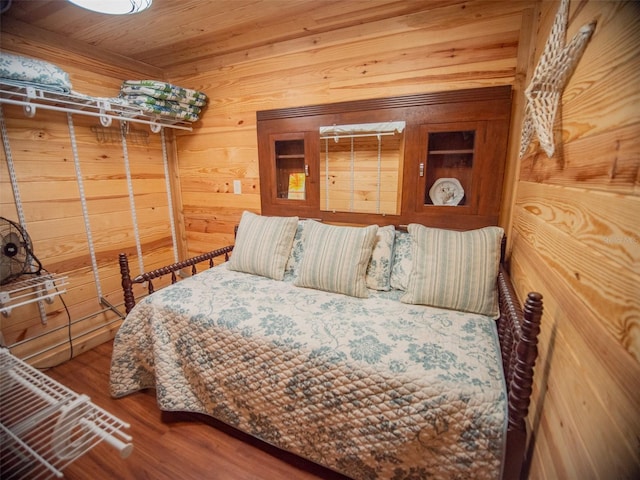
(178, 32)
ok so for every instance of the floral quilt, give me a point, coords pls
(372, 388)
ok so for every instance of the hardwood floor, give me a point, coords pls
(177, 446)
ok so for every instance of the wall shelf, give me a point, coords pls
(29, 290)
(106, 109)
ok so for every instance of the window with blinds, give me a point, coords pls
(361, 167)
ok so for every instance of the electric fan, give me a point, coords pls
(16, 256)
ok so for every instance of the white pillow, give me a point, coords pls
(335, 258)
(379, 268)
(263, 244)
(455, 270)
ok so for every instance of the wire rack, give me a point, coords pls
(44, 426)
(26, 290)
(106, 109)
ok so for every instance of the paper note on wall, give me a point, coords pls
(296, 186)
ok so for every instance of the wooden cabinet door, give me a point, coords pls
(448, 168)
(459, 173)
(289, 178)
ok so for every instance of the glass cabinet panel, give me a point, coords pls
(447, 169)
(291, 169)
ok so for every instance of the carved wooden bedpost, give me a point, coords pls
(519, 397)
(129, 299)
(521, 385)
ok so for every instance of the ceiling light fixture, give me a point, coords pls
(114, 7)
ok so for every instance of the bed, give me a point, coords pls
(345, 346)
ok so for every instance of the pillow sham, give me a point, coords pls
(379, 268)
(401, 261)
(295, 255)
(263, 244)
(455, 270)
(335, 258)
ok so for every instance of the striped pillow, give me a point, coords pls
(335, 258)
(456, 270)
(263, 244)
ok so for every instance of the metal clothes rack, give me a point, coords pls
(44, 426)
(106, 109)
(34, 289)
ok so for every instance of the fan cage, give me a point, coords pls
(16, 255)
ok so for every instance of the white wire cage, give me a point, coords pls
(44, 426)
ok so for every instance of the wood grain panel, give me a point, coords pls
(524, 63)
(436, 17)
(451, 49)
(31, 40)
(589, 104)
(202, 242)
(607, 161)
(608, 288)
(575, 238)
(82, 296)
(311, 18)
(606, 223)
(582, 397)
(218, 200)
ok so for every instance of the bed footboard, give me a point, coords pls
(518, 330)
(128, 282)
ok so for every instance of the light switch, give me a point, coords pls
(237, 187)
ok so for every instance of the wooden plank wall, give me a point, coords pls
(447, 45)
(46, 175)
(576, 239)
